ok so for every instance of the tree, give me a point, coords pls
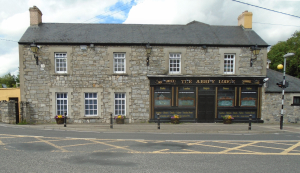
(277, 51)
(9, 80)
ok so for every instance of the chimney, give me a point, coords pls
(245, 19)
(35, 16)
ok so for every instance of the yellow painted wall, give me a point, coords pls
(6, 93)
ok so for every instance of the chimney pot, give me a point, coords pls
(245, 19)
(35, 16)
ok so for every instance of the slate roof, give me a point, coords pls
(193, 33)
(275, 77)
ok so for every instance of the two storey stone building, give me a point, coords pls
(200, 72)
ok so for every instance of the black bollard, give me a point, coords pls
(111, 122)
(250, 119)
(65, 120)
(158, 122)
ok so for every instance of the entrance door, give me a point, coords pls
(17, 108)
(206, 108)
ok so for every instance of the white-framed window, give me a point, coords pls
(91, 104)
(229, 63)
(60, 62)
(174, 63)
(61, 103)
(120, 103)
(119, 63)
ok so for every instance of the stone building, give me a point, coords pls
(198, 71)
(272, 98)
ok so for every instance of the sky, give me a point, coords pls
(269, 25)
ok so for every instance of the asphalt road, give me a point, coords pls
(36, 150)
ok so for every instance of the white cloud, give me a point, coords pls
(11, 63)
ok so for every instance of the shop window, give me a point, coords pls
(162, 96)
(186, 97)
(248, 97)
(296, 101)
(226, 96)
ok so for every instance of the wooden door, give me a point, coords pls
(206, 108)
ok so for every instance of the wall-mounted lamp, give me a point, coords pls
(255, 50)
(34, 50)
(204, 48)
(148, 49)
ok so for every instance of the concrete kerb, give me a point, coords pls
(201, 128)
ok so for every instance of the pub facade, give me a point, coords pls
(206, 99)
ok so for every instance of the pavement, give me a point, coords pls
(169, 128)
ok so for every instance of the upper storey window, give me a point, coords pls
(60, 62)
(229, 63)
(174, 62)
(119, 63)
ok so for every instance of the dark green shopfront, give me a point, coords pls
(205, 99)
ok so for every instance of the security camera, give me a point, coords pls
(265, 80)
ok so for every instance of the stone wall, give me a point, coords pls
(8, 112)
(271, 108)
(91, 70)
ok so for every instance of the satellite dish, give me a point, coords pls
(4, 86)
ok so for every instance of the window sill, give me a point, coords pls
(90, 117)
(295, 104)
(61, 74)
(120, 74)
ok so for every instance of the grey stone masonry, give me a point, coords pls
(91, 71)
(8, 112)
(271, 108)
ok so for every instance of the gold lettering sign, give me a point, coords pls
(186, 88)
(224, 88)
(206, 88)
(205, 81)
(246, 81)
(186, 81)
(227, 81)
(162, 88)
(249, 88)
(166, 81)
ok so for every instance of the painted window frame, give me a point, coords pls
(88, 97)
(118, 101)
(226, 58)
(176, 58)
(123, 58)
(294, 101)
(61, 56)
(58, 110)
